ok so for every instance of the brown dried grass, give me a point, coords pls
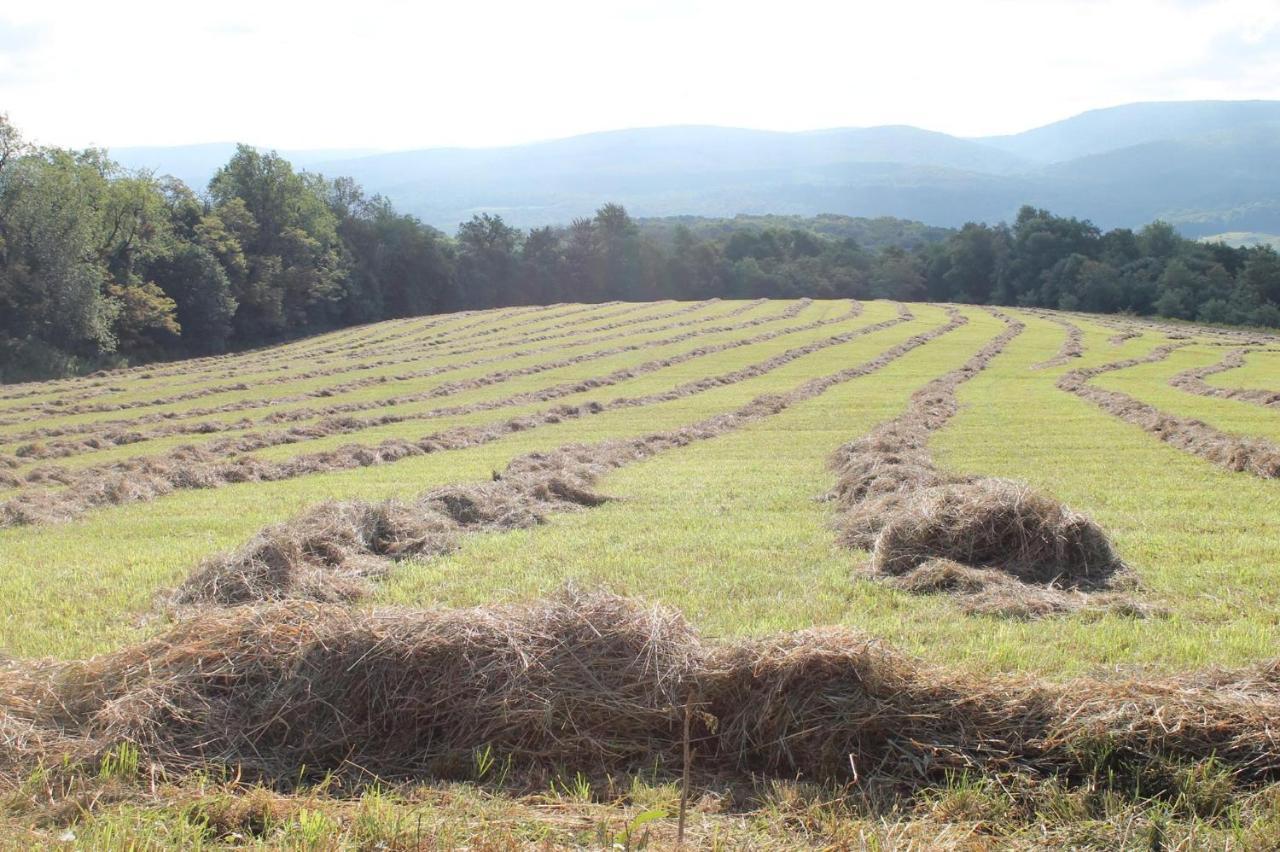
(1000, 524)
(598, 684)
(334, 551)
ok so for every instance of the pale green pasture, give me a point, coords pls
(85, 586)
(387, 390)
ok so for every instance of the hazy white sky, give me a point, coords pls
(398, 74)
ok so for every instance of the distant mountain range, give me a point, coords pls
(1208, 167)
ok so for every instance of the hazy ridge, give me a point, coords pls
(1206, 166)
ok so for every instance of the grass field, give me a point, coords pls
(711, 428)
(1261, 371)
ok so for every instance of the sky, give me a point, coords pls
(397, 74)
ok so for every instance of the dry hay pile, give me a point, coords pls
(587, 680)
(997, 545)
(7, 479)
(1239, 453)
(998, 523)
(597, 684)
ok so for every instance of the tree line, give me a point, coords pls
(101, 266)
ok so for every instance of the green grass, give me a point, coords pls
(388, 390)
(1261, 371)
(83, 587)
(270, 391)
(778, 815)
(730, 531)
(1150, 383)
(1202, 539)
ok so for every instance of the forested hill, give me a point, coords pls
(101, 265)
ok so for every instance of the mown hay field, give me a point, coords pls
(1038, 551)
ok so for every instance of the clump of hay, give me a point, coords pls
(998, 546)
(992, 592)
(328, 554)
(334, 551)
(999, 524)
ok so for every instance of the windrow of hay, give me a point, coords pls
(227, 362)
(1072, 346)
(274, 359)
(483, 324)
(128, 436)
(60, 407)
(1122, 336)
(1193, 381)
(143, 479)
(623, 315)
(600, 684)
(492, 329)
(605, 315)
(1239, 453)
(334, 425)
(1212, 335)
(119, 424)
(285, 368)
(629, 316)
(333, 551)
(997, 545)
(328, 348)
(7, 479)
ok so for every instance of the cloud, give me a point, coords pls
(17, 44)
(394, 73)
(19, 38)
